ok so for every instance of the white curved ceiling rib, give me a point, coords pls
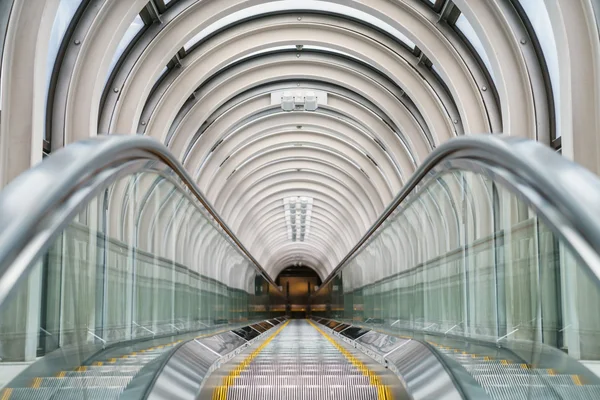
(399, 81)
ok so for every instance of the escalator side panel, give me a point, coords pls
(223, 343)
(423, 373)
(182, 377)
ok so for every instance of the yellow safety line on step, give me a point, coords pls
(6, 394)
(576, 380)
(220, 392)
(37, 382)
(383, 391)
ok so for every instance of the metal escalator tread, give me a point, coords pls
(302, 393)
(65, 394)
(126, 371)
(84, 382)
(105, 379)
(504, 380)
(299, 361)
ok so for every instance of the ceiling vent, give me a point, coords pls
(299, 100)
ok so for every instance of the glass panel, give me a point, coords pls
(463, 24)
(296, 5)
(537, 13)
(162, 73)
(64, 15)
(136, 26)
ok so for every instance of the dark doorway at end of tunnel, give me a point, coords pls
(298, 283)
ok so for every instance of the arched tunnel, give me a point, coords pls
(299, 199)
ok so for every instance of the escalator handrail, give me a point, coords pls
(65, 178)
(565, 193)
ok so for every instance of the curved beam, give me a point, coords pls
(347, 116)
(199, 65)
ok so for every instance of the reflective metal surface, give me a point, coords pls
(302, 361)
(423, 374)
(380, 343)
(223, 343)
(182, 377)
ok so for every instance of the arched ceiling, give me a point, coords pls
(210, 79)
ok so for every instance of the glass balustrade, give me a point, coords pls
(142, 260)
(464, 263)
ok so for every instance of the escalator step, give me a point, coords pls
(301, 362)
(294, 392)
(507, 378)
(522, 393)
(98, 372)
(116, 369)
(138, 358)
(65, 394)
(297, 371)
(83, 382)
(306, 380)
(129, 361)
(579, 392)
(495, 368)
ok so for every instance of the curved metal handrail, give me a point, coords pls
(62, 182)
(565, 194)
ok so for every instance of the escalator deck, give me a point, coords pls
(300, 361)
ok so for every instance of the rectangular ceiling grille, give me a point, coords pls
(298, 212)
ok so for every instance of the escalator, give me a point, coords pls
(119, 281)
(490, 258)
(512, 379)
(105, 378)
(300, 361)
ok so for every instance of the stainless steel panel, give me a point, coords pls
(183, 376)
(380, 343)
(223, 343)
(422, 372)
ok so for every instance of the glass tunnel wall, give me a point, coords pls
(464, 257)
(142, 260)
